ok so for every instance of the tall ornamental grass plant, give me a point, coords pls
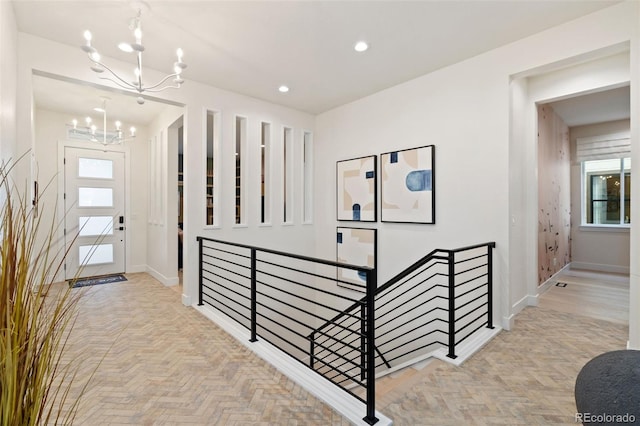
(36, 317)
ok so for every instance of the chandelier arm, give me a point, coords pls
(150, 88)
(161, 89)
(123, 83)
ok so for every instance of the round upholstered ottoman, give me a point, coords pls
(608, 389)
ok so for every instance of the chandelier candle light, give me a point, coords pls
(136, 47)
(91, 133)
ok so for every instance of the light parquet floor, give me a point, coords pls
(167, 364)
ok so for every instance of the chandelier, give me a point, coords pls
(173, 80)
(90, 131)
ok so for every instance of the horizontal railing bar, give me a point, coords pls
(406, 312)
(303, 285)
(399, 285)
(244, 296)
(324, 277)
(475, 299)
(469, 259)
(284, 315)
(351, 365)
(227, 270)
(233, 253)
(471, 322)
(333, 322)
(348, 374)
(437, 330)
(226, 262)
(471, 269)
(338, 356)
(228, 307)
(332, 337)
(267, 339)
(471, 333)
(304, 351)
(421, 317)
(226, 297)
(433, 287)
(337, 342)
(411, 269)
(348, 343)
(379, 291)
(297, 296)
(291, 255)
(471, 291)
(226, 279)
(477, 277)
(223, 296)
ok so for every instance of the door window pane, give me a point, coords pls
(95, 226)
(95, 254)
(95, 168)
(95, 197)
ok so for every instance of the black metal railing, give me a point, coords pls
(297, 304)
(438, 302)
(282, 298)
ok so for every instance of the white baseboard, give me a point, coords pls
(341, 401)
(470, 346)
(167, 281)
(597, 267)
(507, 322)
(134, 269)
(186, 300)
(553, 279)
(520, 305)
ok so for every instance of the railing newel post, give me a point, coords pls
(490, 285)
(363, 341)
(372, 284)
(254, 316)
(452, 305)
(200, 272)
(312, 341)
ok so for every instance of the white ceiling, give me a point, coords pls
(598, 107)
(252, 47)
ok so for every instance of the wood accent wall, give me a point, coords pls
(554, 193)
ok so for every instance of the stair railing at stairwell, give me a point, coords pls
(297, 304)
(281, 298)
(438, 302)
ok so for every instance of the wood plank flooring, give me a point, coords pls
(167, 364)
(593, 294)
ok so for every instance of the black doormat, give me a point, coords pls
(84, 282)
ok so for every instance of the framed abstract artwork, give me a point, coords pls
(407, 180)
(355, 246)
(356, 189)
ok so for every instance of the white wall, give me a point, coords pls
(50, 138)
(37, 53)
(596, 248)
(8, 69)
(465, 111)
(162, 217)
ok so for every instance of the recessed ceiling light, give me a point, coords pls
(283, 89)
(361, 46)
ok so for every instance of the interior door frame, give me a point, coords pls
(62, 144)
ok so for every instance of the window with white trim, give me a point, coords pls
(606, 179)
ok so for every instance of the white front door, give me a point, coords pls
(95, 212)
